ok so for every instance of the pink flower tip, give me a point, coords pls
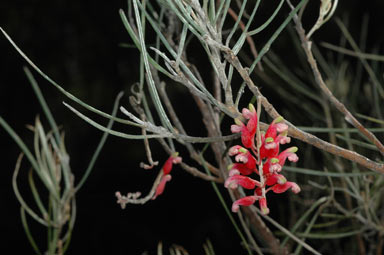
(245, 201)
(295, 188)
(234, 150)
(275, 168)
(241, 158)
(281, 127)
(177, 160)
(293, 157)
(246, 113)
(250, 112)
(233, 172)
(235, 129)
(285, 139)
(235, 207)
(270, 145)
(229, 183)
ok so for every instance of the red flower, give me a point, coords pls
(270, 160)
(288, 153)
(275, 178)
(244, 181)
(247, 159)
(241, 168)
(245, 201)
(167, 168)
(269, 148)
(247, 138)
(246, 162)
(160, 188)
(276, 134)
(247, 131)
(251, 115)
(272, 166)
(234, 150)
(280, 188)
(173, 159)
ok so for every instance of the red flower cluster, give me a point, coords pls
(267, 162)
(158, 187)
(167, 167)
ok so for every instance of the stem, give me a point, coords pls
(306, 44)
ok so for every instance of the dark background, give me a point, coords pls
(77, 44)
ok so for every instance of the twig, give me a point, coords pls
(192, 170)
(264, 233)
(134, 198)
(209, 166)
(250, 41)
(136, 101)
(284, 230)
(306, 44)
(148, 153)
(336, 150)
(170, 109)
(369, 56)
(359, 217)
(195, 172)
